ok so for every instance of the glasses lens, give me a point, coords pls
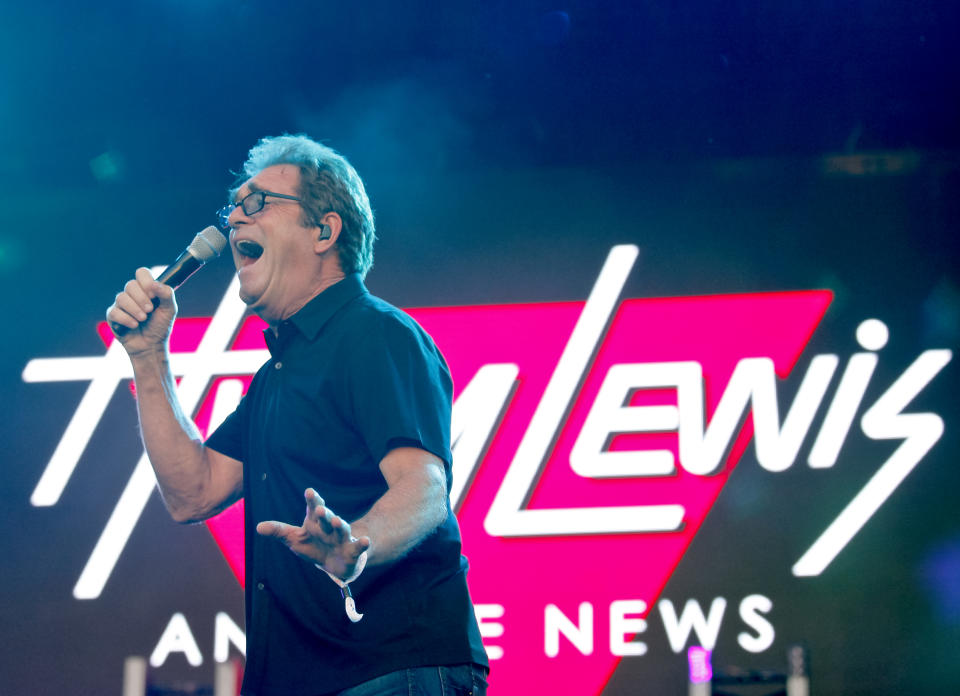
(253, 203)
(223, 217)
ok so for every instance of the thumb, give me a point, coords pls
(163, 296)
(279, 530)
(164, 293)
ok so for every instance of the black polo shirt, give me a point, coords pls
(350, 378)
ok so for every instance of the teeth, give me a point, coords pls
(248, 248)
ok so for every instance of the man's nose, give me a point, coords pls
(237, 217)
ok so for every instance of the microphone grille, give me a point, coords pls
(208, 244)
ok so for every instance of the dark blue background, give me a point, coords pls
(506, 147)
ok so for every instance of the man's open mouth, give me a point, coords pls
(249, 249)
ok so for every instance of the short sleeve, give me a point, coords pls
(399, 388)
(228, 437)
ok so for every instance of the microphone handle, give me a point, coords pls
(177, 272)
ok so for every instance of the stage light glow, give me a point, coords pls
(701, 668)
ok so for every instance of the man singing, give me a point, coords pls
(351, 414)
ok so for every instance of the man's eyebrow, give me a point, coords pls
(251, 187)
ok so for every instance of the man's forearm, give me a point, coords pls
(414, 505)
(171, 439)
(195, 482)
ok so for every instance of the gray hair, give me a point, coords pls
(328, 183)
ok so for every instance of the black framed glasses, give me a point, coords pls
(251, 203)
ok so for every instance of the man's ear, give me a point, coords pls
(327, 232)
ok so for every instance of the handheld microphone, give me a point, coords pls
(207, 245)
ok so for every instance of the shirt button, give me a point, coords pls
(259, 585)
(277, 365)
(263, 476)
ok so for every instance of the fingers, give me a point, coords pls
(362, 544)
(132, 306)
(313, 499)
(328, 522)
(136, 304)
(336, 552)
(151, 288)
(286, 533)
(127, 309)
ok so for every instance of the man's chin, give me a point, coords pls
(248, 298)
(256, 306)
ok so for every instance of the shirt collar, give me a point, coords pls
(312, 317)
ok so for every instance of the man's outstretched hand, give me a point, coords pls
(324, 538)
